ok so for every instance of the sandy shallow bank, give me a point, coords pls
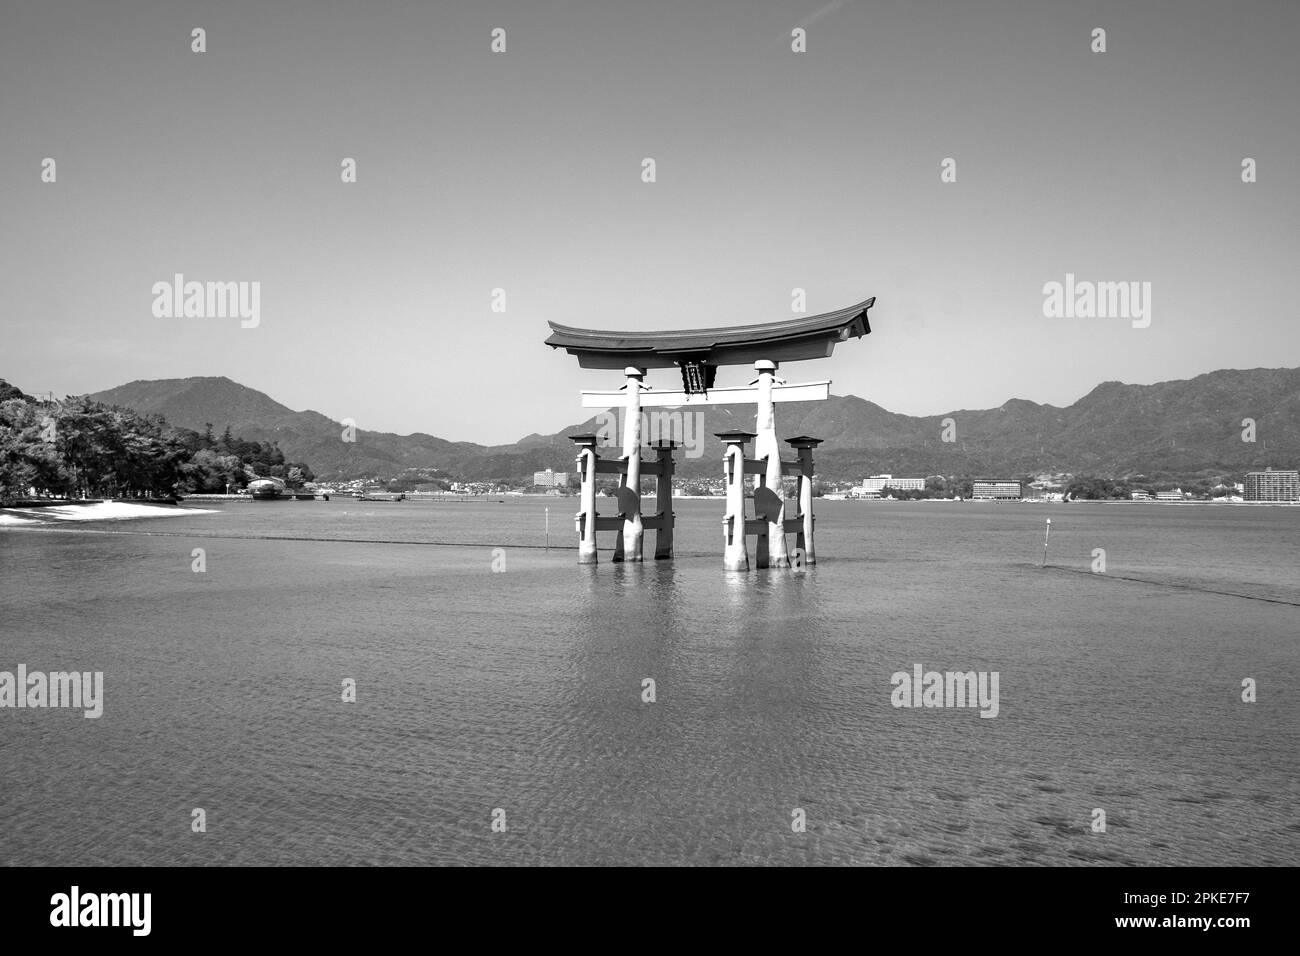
(93, 511)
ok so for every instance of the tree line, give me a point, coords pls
(84, 449)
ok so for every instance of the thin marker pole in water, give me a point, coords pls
(1045, 537)
(548, 528)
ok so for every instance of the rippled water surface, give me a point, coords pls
(522, 689)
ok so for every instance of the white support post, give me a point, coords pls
(664, 499)
(630, 538)
(766, 448)
(804, 541)
(586, 518)
(735, 556)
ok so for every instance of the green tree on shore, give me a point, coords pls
(81, 448)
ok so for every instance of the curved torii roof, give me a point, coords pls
(807, 337)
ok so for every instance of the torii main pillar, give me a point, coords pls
(771, 505)
(628, 545)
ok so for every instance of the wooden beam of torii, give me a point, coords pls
(731, 395)
(698, 353)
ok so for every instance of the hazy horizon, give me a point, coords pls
(521, 170)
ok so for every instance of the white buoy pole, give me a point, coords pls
(1045, 537)
(548, 529)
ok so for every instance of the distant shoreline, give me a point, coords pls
(55, 512)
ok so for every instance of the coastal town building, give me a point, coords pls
(550, 479)
(1271, 485)
(1174, 495)
(991, 489)
(873, 486)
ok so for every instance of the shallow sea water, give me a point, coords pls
(522, 689)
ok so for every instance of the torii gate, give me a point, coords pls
(699, 353)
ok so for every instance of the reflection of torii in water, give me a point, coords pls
(698, 353)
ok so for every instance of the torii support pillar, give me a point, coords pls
(628, 545)
(586, 518)
(766, 450)
(735, 555)
(664, 499)
(804, 540)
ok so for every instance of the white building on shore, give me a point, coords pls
(873, 487)
(996, 489)
(550, 479)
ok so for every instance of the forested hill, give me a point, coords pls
(1176, 427)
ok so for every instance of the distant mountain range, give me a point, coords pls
(1172, 428)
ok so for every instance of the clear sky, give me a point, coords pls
(522, 170)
